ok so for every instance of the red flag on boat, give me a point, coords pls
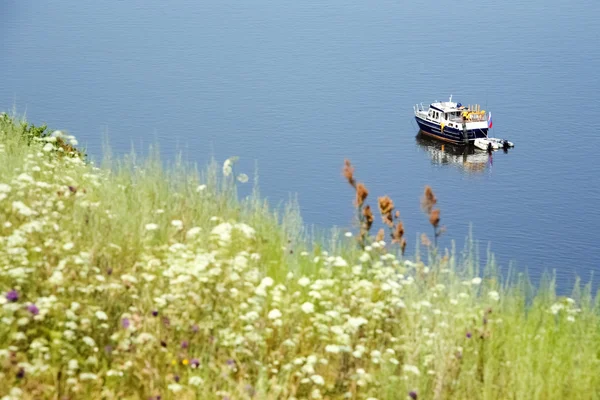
(490, 120)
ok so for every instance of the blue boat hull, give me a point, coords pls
(450, 134)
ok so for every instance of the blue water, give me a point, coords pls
(296, 87)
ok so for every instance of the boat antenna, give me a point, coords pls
(450, 99)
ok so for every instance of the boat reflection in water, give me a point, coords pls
(467, 158)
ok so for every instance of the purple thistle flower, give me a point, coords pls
(195, 363)
(166, 321)
(176, 378)
(12, 296)
(469, 335)
(32, 308)
(20, 373)
(184, 344)
(163, 343)
(125, 323)
(108, 349)
(230, 362)
(109, 271)
(413, 395)
(195, 328)
(154, 313)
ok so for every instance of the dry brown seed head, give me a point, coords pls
(368, 214)
(428, 200)
(425, 240)
(380, 235)
(398, 232)
(348, 172)
(403, 245)
(386, 205)
(361, 194)
(434, 217)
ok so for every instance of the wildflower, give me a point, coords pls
(195, 381)
(469, 335)
(185, 344)
(12, 296)
(101, 315)
(33, 309)
(348, 234)
(274, 314)
(242, 178)
(195, 328)
(22, 209)
(339, 262)
(318, 380)
(494, 295)
(48, 147)
(89, 341)
(154, 313)
(308, 307)
(20, 373)
(177, 224)
(411, 368)
(357, 322)
(228, 166)
(88, 376)
(332, 348)
(151, 227)
(267, 281)
(125, 323)
(200, 188)
(556, 307)
(413, 395)
(73, 364)
(304, 281)
(175, 387)
(195, 363)
(192, 233)
(176, 377)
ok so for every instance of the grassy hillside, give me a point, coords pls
(140, 281)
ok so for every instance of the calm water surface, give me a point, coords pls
(298, 86)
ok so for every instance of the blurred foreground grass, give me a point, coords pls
(140, 281)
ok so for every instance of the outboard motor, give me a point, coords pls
(490, 148)
(505, 146)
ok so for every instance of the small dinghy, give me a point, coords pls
(495, 143)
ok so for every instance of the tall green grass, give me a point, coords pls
(135, 280)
